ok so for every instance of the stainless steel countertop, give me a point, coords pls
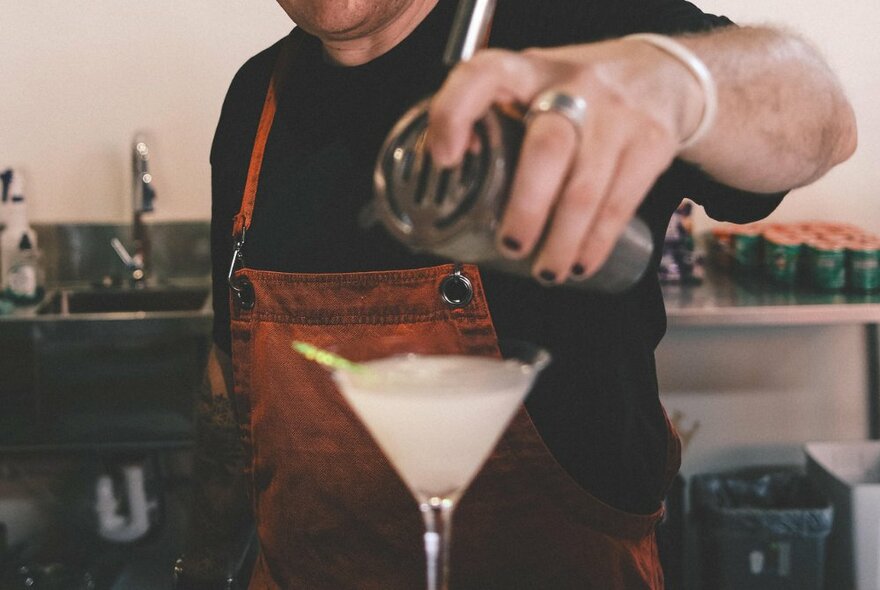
(725, 300)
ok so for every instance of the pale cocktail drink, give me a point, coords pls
(437, 418)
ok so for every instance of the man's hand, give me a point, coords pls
(782, 122)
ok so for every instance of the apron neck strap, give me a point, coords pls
(242, 221)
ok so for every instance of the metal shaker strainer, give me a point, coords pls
(454, 212)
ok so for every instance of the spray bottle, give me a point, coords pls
(6, 179)
(21, 275)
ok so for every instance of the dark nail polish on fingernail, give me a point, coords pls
(578, 270)
(547, 276)
(511, 244)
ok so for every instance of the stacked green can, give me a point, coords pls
(747, 248)
(863, 265)
(820, 255)
(737, 247)
(826, 264)
(782, 250)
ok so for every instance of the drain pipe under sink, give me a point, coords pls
(113, 526)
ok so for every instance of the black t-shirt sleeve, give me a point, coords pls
(670, 17)
(723, 202)
(525, 23)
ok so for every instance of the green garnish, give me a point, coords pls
(326, 358)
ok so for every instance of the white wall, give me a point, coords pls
(760, 393)
(78, 79)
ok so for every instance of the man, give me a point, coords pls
(729, 117)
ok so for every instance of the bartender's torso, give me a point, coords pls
(597, 406)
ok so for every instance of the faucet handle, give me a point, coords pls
(123, 254)
(133, 263)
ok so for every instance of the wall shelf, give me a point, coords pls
(725, 301)
(722, 300)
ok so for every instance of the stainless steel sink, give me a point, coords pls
(104, 367)
(100, 301)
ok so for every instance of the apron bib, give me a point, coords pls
(331, 512)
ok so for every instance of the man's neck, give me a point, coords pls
(354, 52)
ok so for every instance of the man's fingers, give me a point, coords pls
(640, 165)
(601, 144)
(588, 192)
(491, 76)
(547, 151)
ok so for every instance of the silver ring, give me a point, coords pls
(573, 108)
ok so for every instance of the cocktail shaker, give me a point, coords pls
(454, 212)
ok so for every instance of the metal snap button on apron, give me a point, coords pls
(241, 287)
(456, 289)
(244, 293)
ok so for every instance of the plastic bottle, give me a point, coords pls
(6, 179)
(12, 238)
(25, 278)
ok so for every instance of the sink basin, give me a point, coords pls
(104, 368)
(125, 300)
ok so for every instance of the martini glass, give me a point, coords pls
(437, 419)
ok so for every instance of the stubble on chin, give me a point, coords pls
(342, 19)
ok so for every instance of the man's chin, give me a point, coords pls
(332, 20)
(335, 31)
(342, 20)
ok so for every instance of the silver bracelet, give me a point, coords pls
(699, 70)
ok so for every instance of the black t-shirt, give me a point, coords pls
(597, 405)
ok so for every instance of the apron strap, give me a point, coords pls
(242, 221)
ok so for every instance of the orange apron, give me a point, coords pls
(331, 513)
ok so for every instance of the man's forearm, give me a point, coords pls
(220, 509)
(783, 120)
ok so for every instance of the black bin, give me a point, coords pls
(760, 528)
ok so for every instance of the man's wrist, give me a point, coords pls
(698, 97)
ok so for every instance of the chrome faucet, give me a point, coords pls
(143, 195)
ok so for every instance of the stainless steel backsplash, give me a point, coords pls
(82, 252)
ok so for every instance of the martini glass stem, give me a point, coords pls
(437, 513)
